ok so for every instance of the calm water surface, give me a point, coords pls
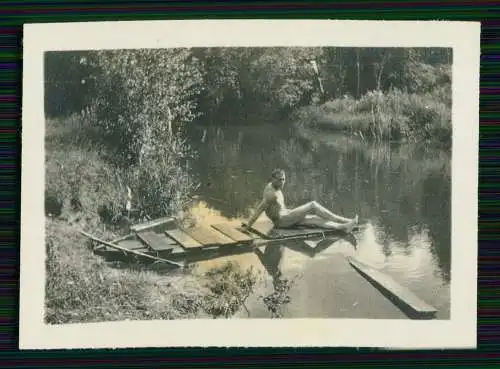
(402, 192)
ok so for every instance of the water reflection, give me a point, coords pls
(402, 191)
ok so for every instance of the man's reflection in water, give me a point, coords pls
(272, 255)
(271, 260)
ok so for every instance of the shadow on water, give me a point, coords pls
(402, 190)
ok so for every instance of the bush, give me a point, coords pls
(277, 300)
(392, 115)
(424, 78)
(161, 184)
(143, 96)
(229, 287)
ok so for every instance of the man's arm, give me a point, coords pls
(262, 206)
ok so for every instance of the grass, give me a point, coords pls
(394, 115)
(85, 190)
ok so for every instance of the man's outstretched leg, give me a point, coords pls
(323, 212)
(316, 221)
(299, 214)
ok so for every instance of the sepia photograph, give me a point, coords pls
(250, 184)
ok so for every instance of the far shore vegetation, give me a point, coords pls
(115, 121)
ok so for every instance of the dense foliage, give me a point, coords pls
(219, 82)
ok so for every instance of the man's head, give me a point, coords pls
(278, 178)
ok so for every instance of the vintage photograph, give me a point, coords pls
(236, 182)
(248, 182)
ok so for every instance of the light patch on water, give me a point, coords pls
(204, 215)
(415, 260)
(369, 250)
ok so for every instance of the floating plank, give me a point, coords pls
(231, 232)
(207, 236)
(158, 242)
(400, 292)
(151, 224)
(183, 238)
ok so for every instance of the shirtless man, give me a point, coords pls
(310, 214)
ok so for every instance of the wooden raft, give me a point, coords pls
(165, 235)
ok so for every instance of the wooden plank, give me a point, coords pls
(183, 238)
(158, 242)
(400, 292)
(151, 224)
(207, 236)
(131, 244)
(231, 232)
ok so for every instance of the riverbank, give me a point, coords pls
(82, 287)
(378, 116)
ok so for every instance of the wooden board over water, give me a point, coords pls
(158, 242)
(231, 232)
(183, 238)
(207, 236)
(400, 292)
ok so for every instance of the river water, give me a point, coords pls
(402, 192)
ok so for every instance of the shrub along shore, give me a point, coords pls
(389, 116)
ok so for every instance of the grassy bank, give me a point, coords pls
(394, 115)
(86, 190)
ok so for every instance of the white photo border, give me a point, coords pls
(457, 332)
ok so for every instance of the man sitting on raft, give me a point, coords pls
(310, 214)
